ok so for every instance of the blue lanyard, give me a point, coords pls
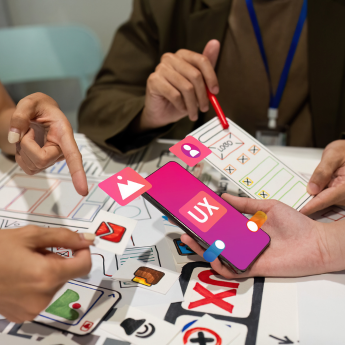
(275, 99)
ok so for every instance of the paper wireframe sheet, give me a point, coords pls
(250, 165)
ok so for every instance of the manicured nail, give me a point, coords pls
(13, 137)
(313, 188)
(87, 236)
(215, 90)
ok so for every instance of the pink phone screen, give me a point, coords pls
(206, 214)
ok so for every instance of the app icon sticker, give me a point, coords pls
(139, 327)
(130, 326)
(112, 231)
(78, 307)
(147, 276)
(185, 322)
(206, 331)
(61, 308)
(214, 250)
(256, 221)
(190, 150)
(183, 248)
(125, 186)
(203, 211)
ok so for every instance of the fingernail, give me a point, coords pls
(13, 137)
(215, 90)
(87, 236)
(313, 188)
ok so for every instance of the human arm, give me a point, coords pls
(299, 246)
(147, 82)
(30, 275)
(327, 183)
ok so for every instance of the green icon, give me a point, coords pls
(60, 307)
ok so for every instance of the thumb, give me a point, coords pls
(211, 51)
(41, 237)
(323, 173)
(20, 120)
(248, 205)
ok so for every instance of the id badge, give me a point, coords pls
(271, 137)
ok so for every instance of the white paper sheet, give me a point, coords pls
(321, 309)
(250, 165)
(50, 198)
(278, 323)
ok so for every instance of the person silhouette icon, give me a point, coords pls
(192, 152)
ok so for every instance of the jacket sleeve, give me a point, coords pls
(118, 93)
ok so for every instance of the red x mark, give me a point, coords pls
(210, 298)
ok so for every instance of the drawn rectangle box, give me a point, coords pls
(259, 172)
(26, 200)
(29, 182)
(293, 195)
(86, 212)
(276, 183)
(62, 202)
(97, 196)
(8, 195)
(226, 145)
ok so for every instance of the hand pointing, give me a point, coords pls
(57, 140)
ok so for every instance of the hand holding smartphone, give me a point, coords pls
(205, 216)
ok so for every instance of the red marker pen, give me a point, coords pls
(217, 108)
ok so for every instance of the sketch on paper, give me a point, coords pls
(251, 166)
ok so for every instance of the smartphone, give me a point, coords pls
(205, 216)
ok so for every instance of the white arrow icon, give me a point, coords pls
(129, 189)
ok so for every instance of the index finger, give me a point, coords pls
(74, 162)
(202, 63)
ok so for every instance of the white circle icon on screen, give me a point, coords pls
(252, 226)
(220, 244)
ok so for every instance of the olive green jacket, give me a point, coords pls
(158, 26)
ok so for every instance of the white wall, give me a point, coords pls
(102, 16)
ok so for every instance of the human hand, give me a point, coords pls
(59, 141)
(327, 183)
(298, 244)
(177, 87)
(30, 275)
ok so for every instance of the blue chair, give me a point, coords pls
(37, 53)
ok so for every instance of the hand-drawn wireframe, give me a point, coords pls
(98, 161)
(250, 165)
(50, 198)
(137, 209)
(330, 214)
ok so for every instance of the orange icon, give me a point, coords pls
(257, 220)
(147, 276)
